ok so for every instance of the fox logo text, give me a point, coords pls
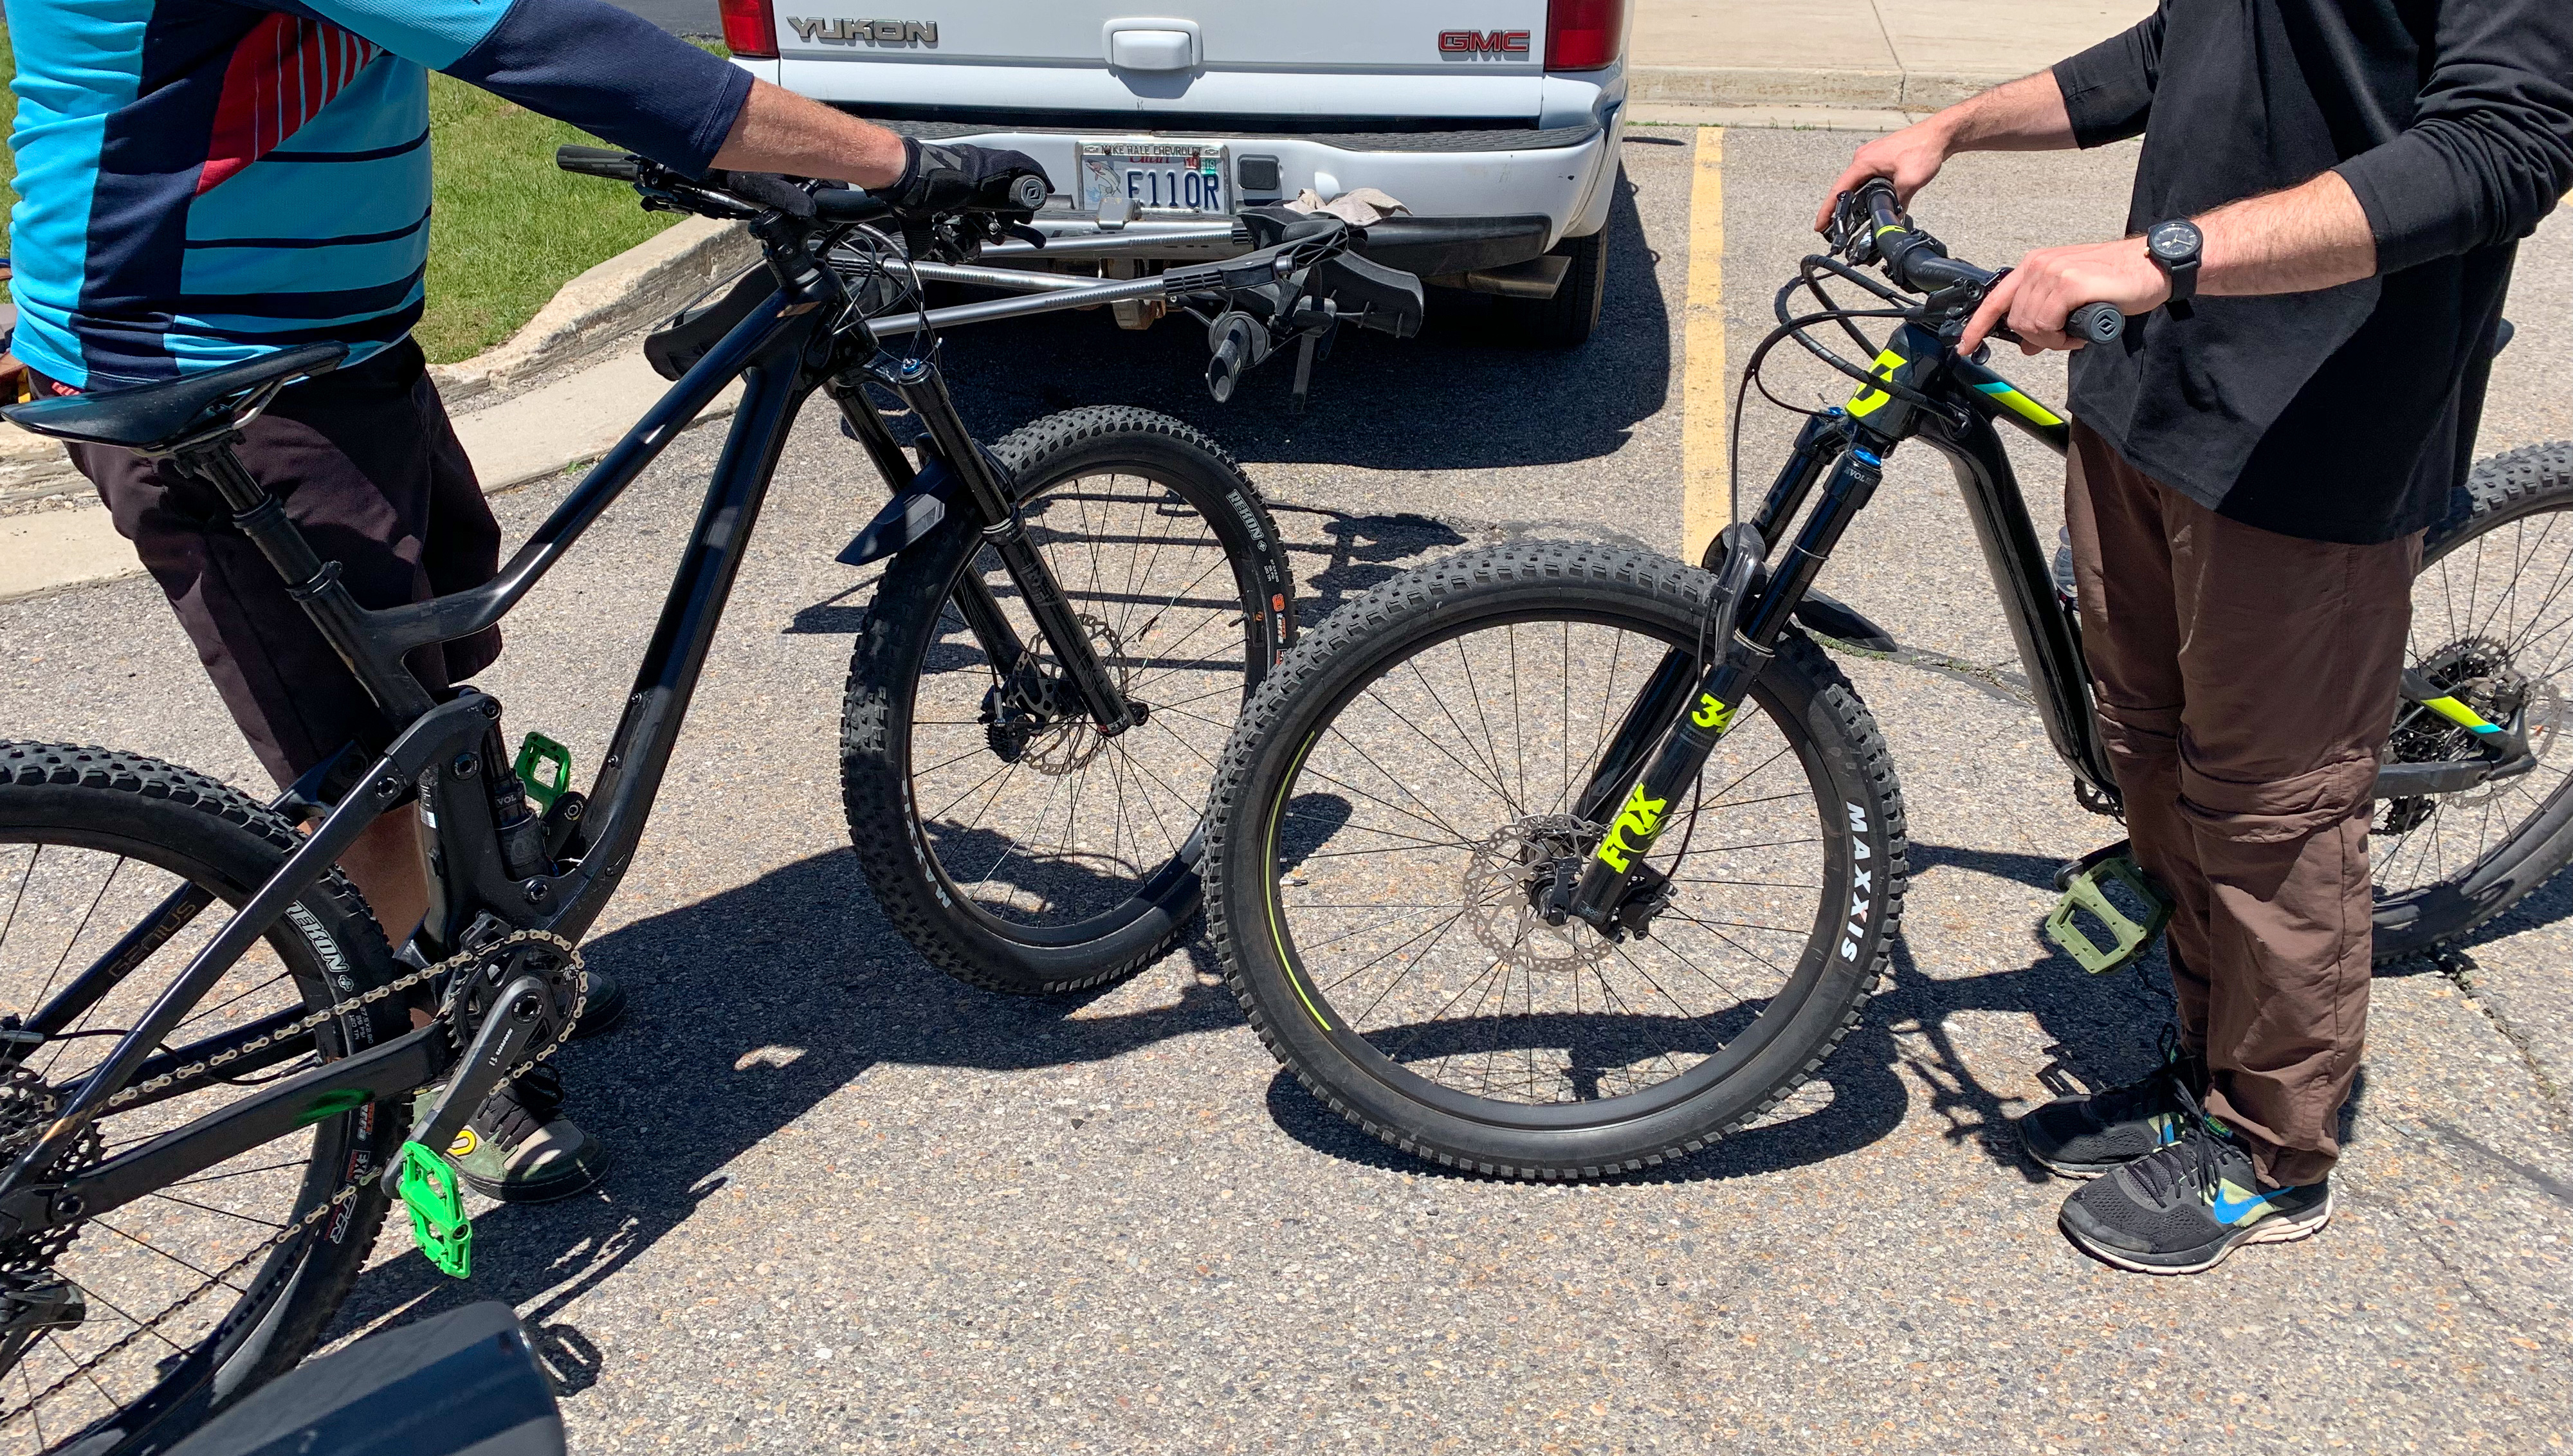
(1641, 817)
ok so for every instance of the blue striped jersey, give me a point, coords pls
(201, 180)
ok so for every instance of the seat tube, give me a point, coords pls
(312, 582)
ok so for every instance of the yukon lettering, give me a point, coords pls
(824, 30)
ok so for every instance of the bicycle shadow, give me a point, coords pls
(750, 1007)
(2098, 1033)
(1505, 403)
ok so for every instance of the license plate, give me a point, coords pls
(1153, 175)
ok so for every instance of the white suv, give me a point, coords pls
(1494, 121)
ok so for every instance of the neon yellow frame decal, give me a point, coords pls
(2459, 714)
(2004, 392)
(1867, 402)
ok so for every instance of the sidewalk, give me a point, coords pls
(1883, 56)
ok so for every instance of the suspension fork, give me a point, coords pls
(1006, 532)
(1749, 633)
(972, 595)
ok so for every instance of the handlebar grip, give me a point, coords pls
(1027, 192)
(597, 162)
(2095, 323)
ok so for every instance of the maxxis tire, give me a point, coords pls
(1803, 687)
(229, 844)
(2500, 491)
(884, 671)
(1567, 320)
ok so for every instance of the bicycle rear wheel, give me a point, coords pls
(1016, 846)
(2492, 623)
(198, 1292)
(1402, 793)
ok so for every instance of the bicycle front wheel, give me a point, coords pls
(1015, 845)
(114, 871)
(1410, 783)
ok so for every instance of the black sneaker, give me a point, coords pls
(601, 1007)
(2086, 1137)
(2185, 1205)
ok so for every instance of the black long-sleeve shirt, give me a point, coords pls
(2346, 414)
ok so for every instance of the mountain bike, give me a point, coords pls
(1555, 861)
(204, 1076)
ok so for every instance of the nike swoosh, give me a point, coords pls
(2231, 1210)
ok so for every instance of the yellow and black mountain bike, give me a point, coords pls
(1558, 859)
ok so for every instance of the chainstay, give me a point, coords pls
(347, 1190)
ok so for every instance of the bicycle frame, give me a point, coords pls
(800, 338)
(1926, 392)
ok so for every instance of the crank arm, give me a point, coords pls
(510, 1028)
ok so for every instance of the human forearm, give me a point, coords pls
(2026, 115)
(779, 131)
(2293, 242)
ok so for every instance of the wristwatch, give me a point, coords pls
(2175, 246)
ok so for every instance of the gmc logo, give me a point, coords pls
(1483, 43)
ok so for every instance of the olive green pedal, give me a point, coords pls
(435, 1196)
(544, 767)
(2085, 887)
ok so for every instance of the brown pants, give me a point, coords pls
(2246, 681)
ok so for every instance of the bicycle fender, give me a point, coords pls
(905, 520)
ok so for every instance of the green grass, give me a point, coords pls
(8, 120)
(506, 229)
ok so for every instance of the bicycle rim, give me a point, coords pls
(177, 1284)
(1427, 807)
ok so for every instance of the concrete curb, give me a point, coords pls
(639, 285)
(535, 435)
(1774, 85)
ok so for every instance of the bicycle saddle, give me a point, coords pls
(157, 420)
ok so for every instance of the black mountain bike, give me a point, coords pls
(204, 1081)
(1554, 861)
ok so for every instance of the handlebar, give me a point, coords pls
(1919, 261)
(747, 194)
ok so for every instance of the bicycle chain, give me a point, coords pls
(347, 1191)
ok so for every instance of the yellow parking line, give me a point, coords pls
(1706, 501)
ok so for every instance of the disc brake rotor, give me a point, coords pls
(1504, 878)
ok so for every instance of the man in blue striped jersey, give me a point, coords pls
(203, 181)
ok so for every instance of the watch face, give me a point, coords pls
(2173, 240)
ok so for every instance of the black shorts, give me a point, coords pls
(369, 470)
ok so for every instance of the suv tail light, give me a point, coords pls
(750, 29)
(1580, 35)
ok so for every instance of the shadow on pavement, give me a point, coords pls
(1464, 394)
(749, 1008)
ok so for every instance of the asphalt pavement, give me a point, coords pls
(860, 1206)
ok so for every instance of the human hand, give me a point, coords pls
(940, 177)
(2051, 283)
(1907, 157)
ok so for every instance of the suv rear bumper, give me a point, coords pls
(1481, 196)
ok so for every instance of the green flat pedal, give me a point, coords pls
(431, 1189)
(545, 766)
(2131, 928)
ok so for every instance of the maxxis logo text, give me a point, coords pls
(1862, 883)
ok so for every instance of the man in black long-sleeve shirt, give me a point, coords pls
(2324, 215)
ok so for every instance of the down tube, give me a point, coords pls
(2022, 576)
(667, 678)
